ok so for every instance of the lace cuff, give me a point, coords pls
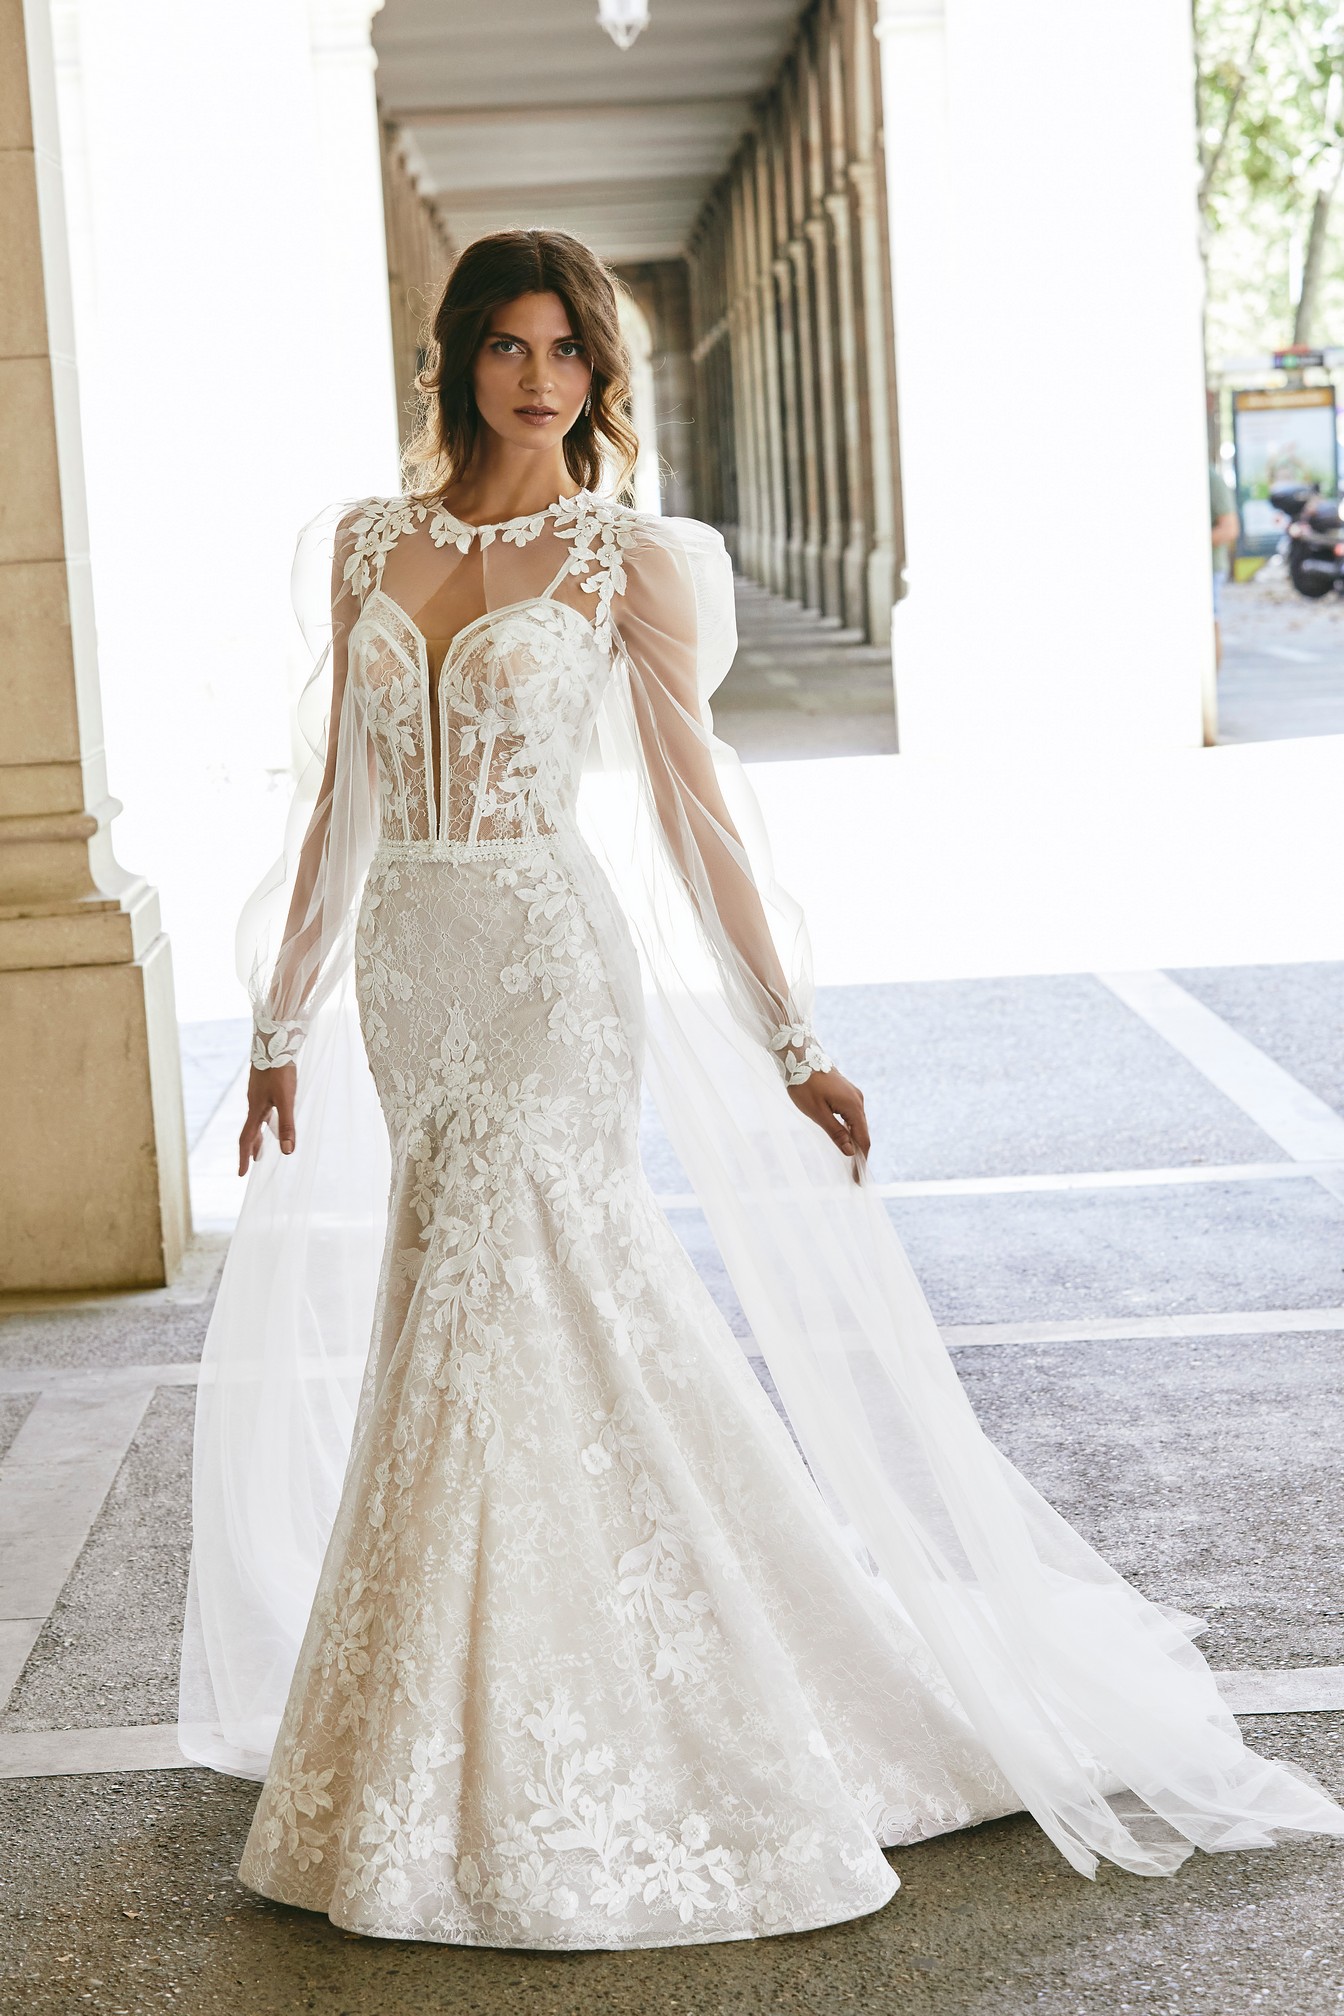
(275, 1043)
(798, 1053)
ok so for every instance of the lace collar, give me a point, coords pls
(375, 529)
(447, 530)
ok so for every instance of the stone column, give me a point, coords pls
(828, 384)
(744, 383)
(817, 231)
(236, 370)
(798, 251)
(839, 208)
(808, 500)
(352, 269)
(879, 590)
(854, 560)
(772, 413)
(792, 425)
(93, 1181)
(875, 283)
(982, 103)
(419, 256)
(762, 442)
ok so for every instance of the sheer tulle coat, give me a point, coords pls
(539, 692)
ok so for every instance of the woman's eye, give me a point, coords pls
(570, 349)
(503, 343)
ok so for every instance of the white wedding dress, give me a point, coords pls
(594, 1657)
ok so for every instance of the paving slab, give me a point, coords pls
(1011, 1077)
(1168, 1250)
(107, 1655)
(1207, 1471)
(122, 1896)
(1295, 1014)
(1283, 661)
(109, 1334)
(14, 1411)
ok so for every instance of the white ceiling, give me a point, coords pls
(525, 112)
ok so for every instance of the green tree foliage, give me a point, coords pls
(1270, 119)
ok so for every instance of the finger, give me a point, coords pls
(857, 1122)
(249, 1147)
(284, 1117)
(838, 1132)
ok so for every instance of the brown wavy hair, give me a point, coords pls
(492, 270)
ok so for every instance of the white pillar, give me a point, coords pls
(93, 1180)
(1047, 309)
(235, 356)
(351, 243)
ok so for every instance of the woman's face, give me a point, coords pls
(532, 372)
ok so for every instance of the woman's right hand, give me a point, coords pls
(268, 1092)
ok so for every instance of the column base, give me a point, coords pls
(833, 583)
(93, 1184)
(881, 594)
(813, 592)
(797, 574)
(855, 585)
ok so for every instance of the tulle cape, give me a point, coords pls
(1093, 1702)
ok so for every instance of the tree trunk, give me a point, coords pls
(1313, 263)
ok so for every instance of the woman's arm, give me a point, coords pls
(656, 623)
(315, 940)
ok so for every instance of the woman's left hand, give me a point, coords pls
(837, 1108)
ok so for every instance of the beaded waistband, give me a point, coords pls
(462, 850)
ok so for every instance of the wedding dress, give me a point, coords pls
(594, 1656)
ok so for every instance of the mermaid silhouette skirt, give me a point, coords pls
(590, 1664)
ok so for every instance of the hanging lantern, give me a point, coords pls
(623, 19)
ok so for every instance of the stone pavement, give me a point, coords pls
(1283, 661)
(1125, 1196)
(802, 686)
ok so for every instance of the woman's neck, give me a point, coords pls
(503, 482)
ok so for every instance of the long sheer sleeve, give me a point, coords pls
(296, 934)
(674, 627)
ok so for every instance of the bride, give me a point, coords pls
(611, 1640)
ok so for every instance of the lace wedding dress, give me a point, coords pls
(594, 1657)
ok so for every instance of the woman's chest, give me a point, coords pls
(489, 725)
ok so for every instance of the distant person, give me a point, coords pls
(1226, 532)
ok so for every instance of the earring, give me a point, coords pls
(588, 405)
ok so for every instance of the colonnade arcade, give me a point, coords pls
(796, 455)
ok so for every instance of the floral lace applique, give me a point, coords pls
(655, 1575)
(588, 1826)
(275, 1042)
(296, 1797)
(601, 535)
(798, 1054)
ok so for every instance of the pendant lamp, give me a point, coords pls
(623, 19)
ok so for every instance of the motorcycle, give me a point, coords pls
(1313, 543)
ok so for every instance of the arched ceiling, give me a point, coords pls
(525, 112)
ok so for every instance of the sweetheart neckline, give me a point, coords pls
(486, 616)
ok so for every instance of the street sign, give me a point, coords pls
(1298, 358)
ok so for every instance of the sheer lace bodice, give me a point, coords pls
(479, 735)
(483, 741)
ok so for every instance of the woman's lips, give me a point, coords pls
(539, 416)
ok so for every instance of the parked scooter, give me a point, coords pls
(1313, 543)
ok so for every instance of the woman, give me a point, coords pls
(595, 1660)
